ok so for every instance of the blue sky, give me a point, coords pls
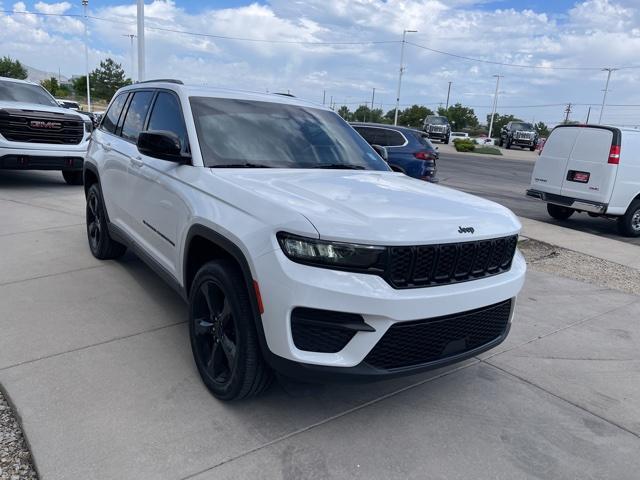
(560, 33)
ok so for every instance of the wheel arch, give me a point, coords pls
(90, 176)
(202, 244)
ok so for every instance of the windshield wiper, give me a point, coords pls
(340, 166)
(242, 165)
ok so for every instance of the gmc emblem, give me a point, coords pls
(43, 124)
(466, 230)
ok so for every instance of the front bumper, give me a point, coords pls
(523, 142)
(286, 285)
(569, 202)
(43, 159)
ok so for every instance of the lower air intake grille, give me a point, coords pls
(417, 342)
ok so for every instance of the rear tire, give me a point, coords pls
(500, 142)
(72, 177)
(224, 340)
(558, 212)
(508, 144)
(532, 148)
(629, 223)
(102, 246)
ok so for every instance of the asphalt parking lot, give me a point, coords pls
(95, 357)
(505, 179)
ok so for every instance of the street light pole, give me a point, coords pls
(606, 89)
(495, 103)
(85, 3)
(448, 94)
(141, 59)
(133, 66)
(404, 34)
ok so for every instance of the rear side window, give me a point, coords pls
(371, 135)
(167, 115)
(110, 120)
(136, 115)
(393, 139)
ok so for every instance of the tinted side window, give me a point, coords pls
(167, 115)
(136, 115)
(110, 119)
(369, 134)
(394, 139)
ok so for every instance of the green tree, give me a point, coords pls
(460, 117)
(344, 112)
(12, 68)
(410, 117)
(104, 81)
(500, 121)
(542, 129)
(51, 85)
(107, 79)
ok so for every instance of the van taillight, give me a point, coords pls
(614, 155)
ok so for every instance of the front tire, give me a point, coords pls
(558, 212)
(101, 244)
(224, 340)
(629, 223)
(72, 177)
(508, 144)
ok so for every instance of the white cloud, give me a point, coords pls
(584, 35)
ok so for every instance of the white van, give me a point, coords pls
(593, 169)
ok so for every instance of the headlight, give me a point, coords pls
(339, 255)
(88, 125)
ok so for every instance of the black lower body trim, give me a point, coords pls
(364, 372)
(41, 162)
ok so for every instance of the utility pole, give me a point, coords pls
(141, 59)
(373, 96)
(606, 89)
(588, 115)
(404, 35)
(448, 94)
(495, 103)
(331, 103)
(85, 4)
(133, 66)
(567, 111)
(324, 96)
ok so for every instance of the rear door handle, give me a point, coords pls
(107, 146)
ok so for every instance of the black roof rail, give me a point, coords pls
(285, 94)
(165, 80)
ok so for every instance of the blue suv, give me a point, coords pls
(409, 151)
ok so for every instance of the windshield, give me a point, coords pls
(522, 126)
(25, 93)
(234, 132)
(437, 120)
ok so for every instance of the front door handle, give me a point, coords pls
(136, 162)
(107, 146)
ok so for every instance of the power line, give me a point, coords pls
(504, 64)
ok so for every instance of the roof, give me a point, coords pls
(386, 125)
(17, 80)
(218, 92)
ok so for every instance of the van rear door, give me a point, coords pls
(588, 175)
(549, 171)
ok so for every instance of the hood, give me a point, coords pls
(384, 208)
(36, 107)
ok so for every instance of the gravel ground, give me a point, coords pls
(15, 459)
(567, 263)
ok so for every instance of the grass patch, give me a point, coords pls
(488, 150)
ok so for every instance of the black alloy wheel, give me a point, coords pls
(101, 244)
(216, 333)
(222, 329)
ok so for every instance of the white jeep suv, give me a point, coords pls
(36, 133)
(296, 247)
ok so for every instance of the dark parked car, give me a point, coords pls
(409, 151)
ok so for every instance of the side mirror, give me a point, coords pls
(161, 144)
(380, 150)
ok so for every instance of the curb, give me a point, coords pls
(608, 249)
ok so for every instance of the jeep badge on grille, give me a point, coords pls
(466, 230)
